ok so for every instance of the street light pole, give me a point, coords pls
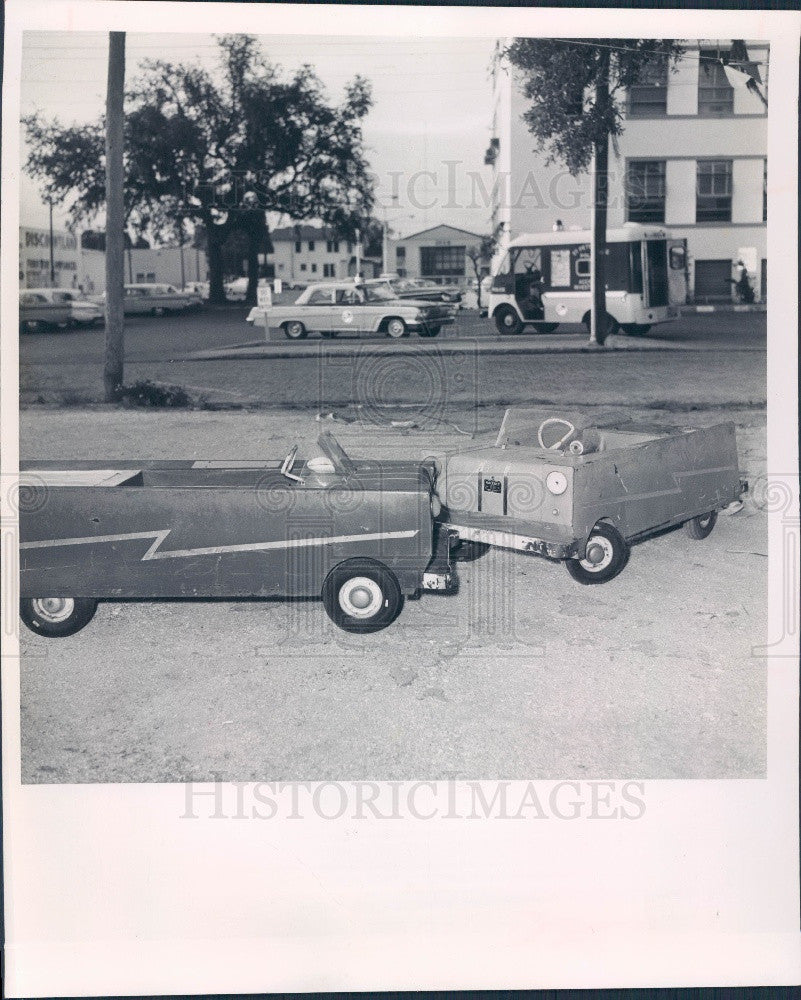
(52, 260)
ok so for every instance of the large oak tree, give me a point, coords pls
(219, 149)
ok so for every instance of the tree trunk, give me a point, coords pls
(115, 218)
(214, 242)
(598, 319)
(255, 243)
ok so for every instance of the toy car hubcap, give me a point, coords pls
(599, 554)
(395, 328)
(361, 597)
(54, 609)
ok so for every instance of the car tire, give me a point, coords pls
(700, 527)
(294, 330)
(429, 331)
(395, 328)
(56, 617)
(33, 326)
(507, 320)
(362, 595)
(606, 555)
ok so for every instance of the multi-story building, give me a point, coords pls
(305, 253)
(439, 254)
(693, 156)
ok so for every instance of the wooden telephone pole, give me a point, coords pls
(115, 217)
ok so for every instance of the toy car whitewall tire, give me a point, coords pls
(294, 330)
(605, 556)
(701, 526)
(362, 595)
(396, 328)
(56, 617)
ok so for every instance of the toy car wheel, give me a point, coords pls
(294, 330)
(396, 328)
(701, 526)
(507, 320)
(55, 617)
(362, 595)
(606, 555)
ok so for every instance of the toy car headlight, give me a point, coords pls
(556, 482)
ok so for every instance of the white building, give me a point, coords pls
(438, 253)
(693, 155)
(35, 259)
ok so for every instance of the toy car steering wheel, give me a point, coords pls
(286, 468)
(562, 440)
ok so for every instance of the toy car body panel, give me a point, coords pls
(171, 529)
(638, 478)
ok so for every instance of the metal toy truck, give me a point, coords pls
(580, 494)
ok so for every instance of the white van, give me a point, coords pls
(544, 280)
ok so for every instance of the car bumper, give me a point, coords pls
(428, 324)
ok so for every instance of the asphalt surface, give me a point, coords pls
(66, 367)
(522, 674)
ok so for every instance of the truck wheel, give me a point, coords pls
(396, 328)
(362, 595)
(612, 326)
(55, 617)
(294, 330)
(607, 554)
(701, 526)
(507, 320)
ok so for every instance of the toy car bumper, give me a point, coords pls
(439, 574)
(550, 548)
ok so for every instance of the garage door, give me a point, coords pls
(712, 280)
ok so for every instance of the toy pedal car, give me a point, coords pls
(359, 534)
(583, 494)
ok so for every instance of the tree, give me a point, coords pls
(219, 150)
(575, 86)
(479, 255)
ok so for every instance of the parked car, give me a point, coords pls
(42, 308)
(200, 288)
(421, 289)
(157, 300)
(559, 488)
(361, 309)
(359, 534)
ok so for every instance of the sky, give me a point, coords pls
(428, 128)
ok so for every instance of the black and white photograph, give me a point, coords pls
(405, 431)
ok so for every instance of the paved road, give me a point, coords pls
(67, 367)
(523, 674)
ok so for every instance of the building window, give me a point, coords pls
(311, 244)
(715, 93)
(314, 269)
(648, 98)
(442, 262)
(713, 199)
(645, 191)
(328, 270)
(332, 246)
(400, 256)
(765, 191)
(297, 246)
(303, 267)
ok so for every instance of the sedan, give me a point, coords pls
(40, 308)
(421, 289)
(360, 309)
(157, 300)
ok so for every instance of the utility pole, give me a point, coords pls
(52, 261)
(115, 217)
(600, 173)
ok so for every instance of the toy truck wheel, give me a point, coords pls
(507, 320)
(606, 555)
(362, 595)
(294, 330)
(700, 527)
(56, 617)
